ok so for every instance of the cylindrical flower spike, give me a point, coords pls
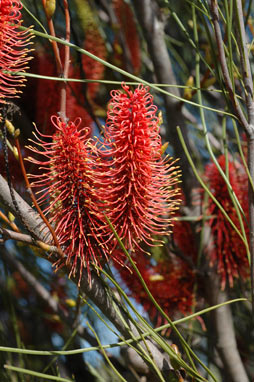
(67, 185)
(138, 185)
(170, 281)
(228, 251)
(127, 25)
(13, 48)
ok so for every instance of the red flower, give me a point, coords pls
(137, 183)
(13, 51)
(170, 281)
(228, 250)
(128, 27)
(94, 43)
(67, 185)
(93, 69)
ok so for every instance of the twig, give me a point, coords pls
(224, 67)
(12, 235)
(10, 223)
(66, 62)
(54, 43)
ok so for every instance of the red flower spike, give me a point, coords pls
(93, 69)
(228, 250)
(170, 281)
(94, 43)
(13, 48)
(67, 184)
(138, 186)
(128, 27)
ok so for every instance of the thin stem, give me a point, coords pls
(53, 42)
(66, 62)
(18, 236)
(10, 223)
(117, 344)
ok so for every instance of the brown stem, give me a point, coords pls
(66, 62)
(24, 238)
(11, 224)
(54, 43)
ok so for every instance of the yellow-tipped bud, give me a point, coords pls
(50, 7)
(160, 116)
(70, 302)
(156, 278)
(9, 127)
(11, 217)
(188, 91)
(164, 148)
(174, 361)
(54, 318)
(15, 152)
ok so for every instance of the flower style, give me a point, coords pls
(13, 48)
(138, 185)
(67, 185)
(228, 250)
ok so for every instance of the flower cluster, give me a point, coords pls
(228, 251)
(13, 48)
(125, 179)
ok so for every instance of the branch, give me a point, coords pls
(224, 330)
(7, 234)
